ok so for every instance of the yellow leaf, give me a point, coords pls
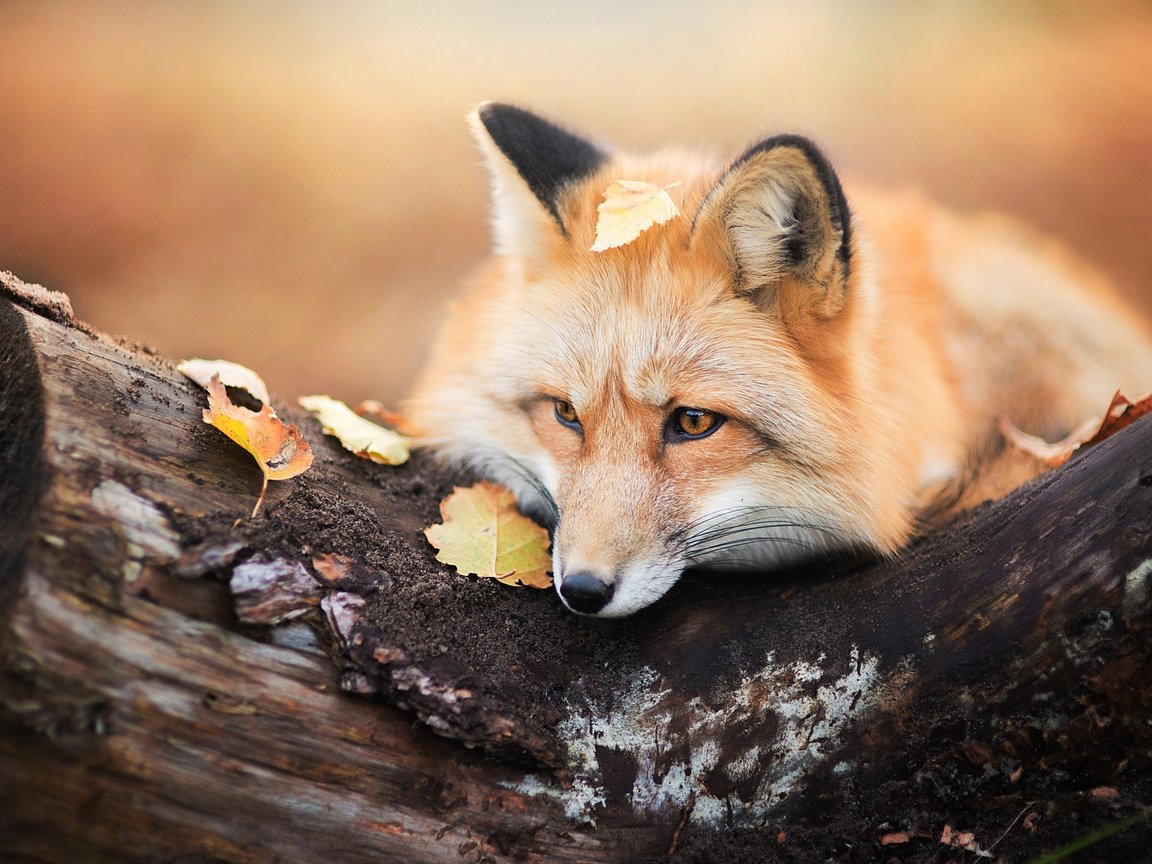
(231, 375)
(629, 208)
(363, 437)
(485, 535)
(277, 447)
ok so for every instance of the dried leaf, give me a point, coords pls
(1122, 412)
(278, 448)
(629, 208)
(377, 413)
(349, 573)
(965, 840)
(231, 375)
(362, 437)
(333, 568)
(485, 535)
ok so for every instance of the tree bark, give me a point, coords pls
(149, 711)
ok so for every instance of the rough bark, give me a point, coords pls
(1002, 661)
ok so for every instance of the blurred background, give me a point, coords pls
(292, 185)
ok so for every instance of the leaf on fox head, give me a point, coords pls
(1122, 412)
(231, 375)
(629, 208)
(483, 534)
(358, 435)
(278, 448)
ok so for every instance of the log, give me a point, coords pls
(181, 682)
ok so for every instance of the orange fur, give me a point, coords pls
(854, 397)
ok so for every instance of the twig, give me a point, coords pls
(1012, 825)
(683, 821)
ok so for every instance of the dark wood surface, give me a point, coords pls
(1005, 659)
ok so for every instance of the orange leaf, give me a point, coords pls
(1122, 412)
(277, 447)
(376, 411)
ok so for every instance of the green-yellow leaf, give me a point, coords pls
(362, 437)
(483, 534)
(629, 208)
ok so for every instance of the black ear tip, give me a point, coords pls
(545, 155)
(496, 113)
(807, 147)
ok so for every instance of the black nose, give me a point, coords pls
(585, 593)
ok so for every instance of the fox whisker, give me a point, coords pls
(726, 545)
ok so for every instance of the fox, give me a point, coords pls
(776, 376)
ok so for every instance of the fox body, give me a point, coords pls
(772, 376)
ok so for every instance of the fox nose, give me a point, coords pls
(583, 592)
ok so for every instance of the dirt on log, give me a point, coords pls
(168, 693)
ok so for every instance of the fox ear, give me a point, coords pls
(780, 216)
(531, 162)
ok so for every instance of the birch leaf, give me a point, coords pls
(358, 435)
(629, 208)
(483, 534)
(278, 448)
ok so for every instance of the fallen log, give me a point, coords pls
(168, 689)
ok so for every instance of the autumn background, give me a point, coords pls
(292, 185)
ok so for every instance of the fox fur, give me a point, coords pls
(848, 351)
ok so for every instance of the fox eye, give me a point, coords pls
(693, 423)
(565, 413)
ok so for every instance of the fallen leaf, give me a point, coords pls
(629, 208)
(965, 840)
(231, 375)
(483, 534)
(342, 571)
(333, 568)
(1122, 412)
(278, 448)
(376, 411)
(362, 437)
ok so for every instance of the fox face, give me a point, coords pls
(709, 394)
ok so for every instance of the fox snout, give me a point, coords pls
(585, 592)
(605, 562)
(614, 593)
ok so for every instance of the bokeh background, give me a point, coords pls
(291, 185)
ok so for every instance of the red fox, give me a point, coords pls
(775, 375)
